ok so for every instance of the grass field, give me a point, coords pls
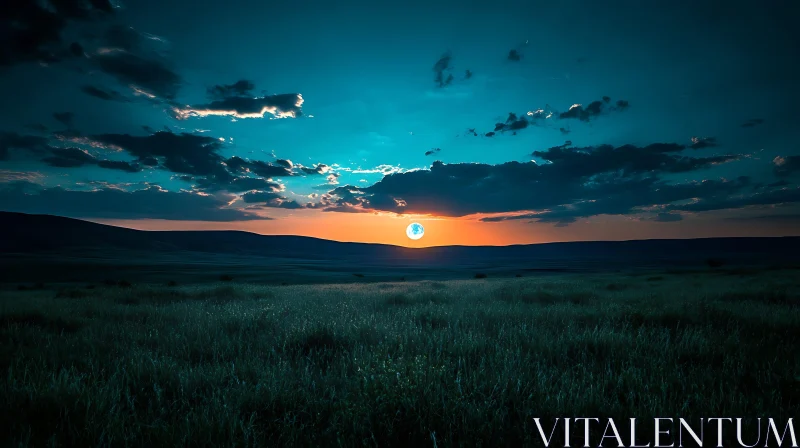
(467, 363)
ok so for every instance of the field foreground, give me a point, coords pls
(455, 363)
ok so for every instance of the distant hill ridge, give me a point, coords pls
(27, 233)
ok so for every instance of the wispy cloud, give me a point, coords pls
(16, 176)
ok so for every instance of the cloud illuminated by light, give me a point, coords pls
(86, 141)
(138, 91)
(382, 169)
(242, 107)
(14, 176)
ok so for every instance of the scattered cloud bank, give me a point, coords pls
(33, 31)
(538, 117)
(443, 71)
(569, 183)
(594, 109)
(563, 183)
(109, 202)
(191, 157)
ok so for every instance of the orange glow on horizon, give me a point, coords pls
(381, 228)
(386, 228)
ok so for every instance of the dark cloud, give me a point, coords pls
(148, 161)
(269, 199)
(32, 31)
(472, 131)
(196, 159)
(284, 163)
(103, 94)
(150, 76)
(128, 167)
(290, 204)
(64, 118)
(449, 190)
(719, 202)
(468, 74)
(240, 184)
(569, 184)
(261, 196)
(593, 110)
(36, 127)
(69, 158)
(703, 142)
(628, 196)
(753, 122)
(564, 131)
(29, 143)
(77, 50)
(180, 153)
(137, 61)
(515, 54)
(110, 202)
(432, 151)
(74, 157)
(512, 123)
(347, 202)
(263, 169)
(281, 106)
(242, 87)
(780, 183)
(489, 134)
(786, 166)
(127, 38)
(628, 159)
(230, 183)
(517, 122)
(443, 69)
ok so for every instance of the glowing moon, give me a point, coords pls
(415, 231)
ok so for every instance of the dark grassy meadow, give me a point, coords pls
(450, 363)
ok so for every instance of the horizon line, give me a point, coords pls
(91, 220)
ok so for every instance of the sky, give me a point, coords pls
(490, 124)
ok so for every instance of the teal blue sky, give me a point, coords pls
(721, 73)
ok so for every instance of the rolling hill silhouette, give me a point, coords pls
(49, 240)
(35, 233)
